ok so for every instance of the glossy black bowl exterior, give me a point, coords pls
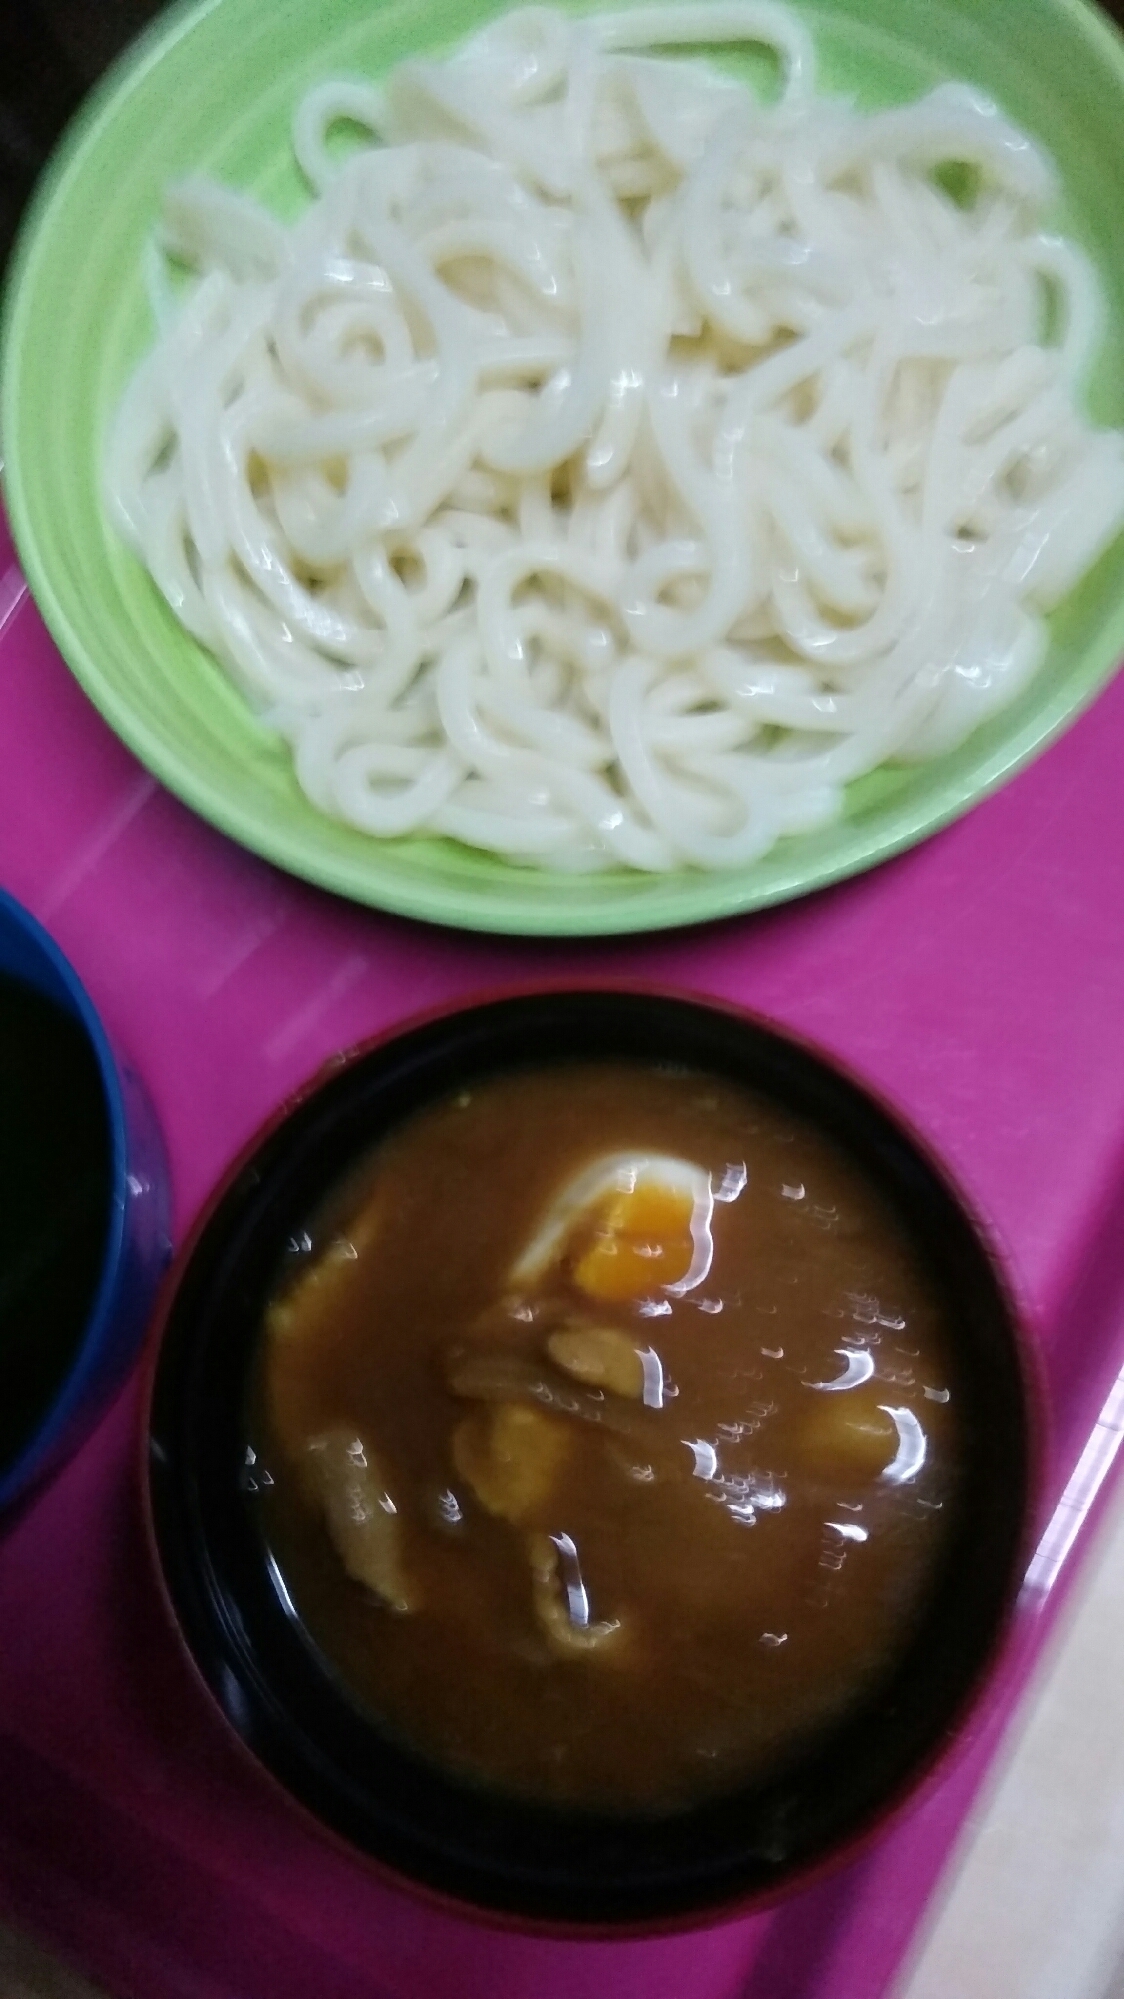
(531, 1864)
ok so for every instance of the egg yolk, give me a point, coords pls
(642, 1241)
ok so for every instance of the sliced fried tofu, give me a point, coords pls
(361, 1517)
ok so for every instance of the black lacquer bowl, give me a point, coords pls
(522, 1864)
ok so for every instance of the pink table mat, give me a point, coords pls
(977, 981)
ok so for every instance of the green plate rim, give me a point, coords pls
(642, 903)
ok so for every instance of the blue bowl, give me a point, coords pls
(84, 1232)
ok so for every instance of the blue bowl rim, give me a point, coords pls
(79, 1379)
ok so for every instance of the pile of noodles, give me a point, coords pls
(608, 467)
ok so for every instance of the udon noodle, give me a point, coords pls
(610, 466)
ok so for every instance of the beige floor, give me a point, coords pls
(28, 1973)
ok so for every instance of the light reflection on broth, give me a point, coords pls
(613, 1431)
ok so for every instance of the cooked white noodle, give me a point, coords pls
(610, 467)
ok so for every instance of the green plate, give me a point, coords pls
(213, 87)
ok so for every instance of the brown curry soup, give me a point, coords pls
(617, 1498)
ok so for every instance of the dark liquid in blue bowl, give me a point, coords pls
(54, 1203)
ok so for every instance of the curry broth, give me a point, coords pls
(631, 1583)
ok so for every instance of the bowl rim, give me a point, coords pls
(938, 1758)
(66, 988)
